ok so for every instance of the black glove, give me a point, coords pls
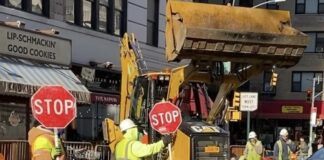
(167, 139)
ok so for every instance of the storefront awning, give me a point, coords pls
(282, 109)
(20, 77)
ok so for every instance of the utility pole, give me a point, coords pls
(313, 114)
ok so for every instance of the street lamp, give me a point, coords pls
(266, 2)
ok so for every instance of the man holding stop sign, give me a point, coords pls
(54, 107)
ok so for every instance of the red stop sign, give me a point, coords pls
(165, 117)
(53, 106)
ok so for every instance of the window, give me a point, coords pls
(37, 6)
(272, 6)
(40, 7)
(246, 3)
(316, 43)
(69, 11)
(300, 6)
(320, 43)
(118, 14)
(320, 6)
(15, 3)
(98, 15)
(87, 13)
(302, 81)
(103, 15)
(89, 120)
(152, 22)
(212, 1)
(312, 41)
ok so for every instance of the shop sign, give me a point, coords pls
(31, 45)
(104, 98)
(292, 109)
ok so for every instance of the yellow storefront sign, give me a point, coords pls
(292, 109)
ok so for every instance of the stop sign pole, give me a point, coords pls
(165, 118)
(54, 107)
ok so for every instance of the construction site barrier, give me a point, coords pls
(19, 150)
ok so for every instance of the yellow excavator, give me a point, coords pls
(227, 45)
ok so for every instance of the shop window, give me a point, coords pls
(303, 81)
(103, 13)
(320, 6)
(69, 11)
(12, 121)
(300, 7)
(89, 120)
(152, 22)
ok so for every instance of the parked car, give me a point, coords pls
(318, 155)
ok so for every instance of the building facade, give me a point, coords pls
(95, 28)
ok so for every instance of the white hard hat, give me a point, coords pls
(284, 132)
(126, 124)
(252, 134)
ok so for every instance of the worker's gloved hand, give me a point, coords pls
(167, 139)
(56, 152)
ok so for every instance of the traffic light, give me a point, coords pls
(236, 100)
(274, 79)
(308, 96)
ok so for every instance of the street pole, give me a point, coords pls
(310, 121)
(310, 151)
(248, 124)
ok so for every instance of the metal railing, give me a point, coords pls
(14, 149)
(19, 150)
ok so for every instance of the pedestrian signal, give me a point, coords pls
(236, 99)
(274, 79)
(308, 96)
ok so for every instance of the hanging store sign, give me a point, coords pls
(292, 109)
(32, 45)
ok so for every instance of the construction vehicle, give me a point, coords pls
(227, 46)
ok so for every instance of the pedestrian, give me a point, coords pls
(253, 148)
(42, 143)
(303, 149)
(284, 148)
(131, 148)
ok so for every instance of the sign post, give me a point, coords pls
(165, 118)
(54, 107)
(248, 102)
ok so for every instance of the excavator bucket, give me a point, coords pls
(211, 32)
